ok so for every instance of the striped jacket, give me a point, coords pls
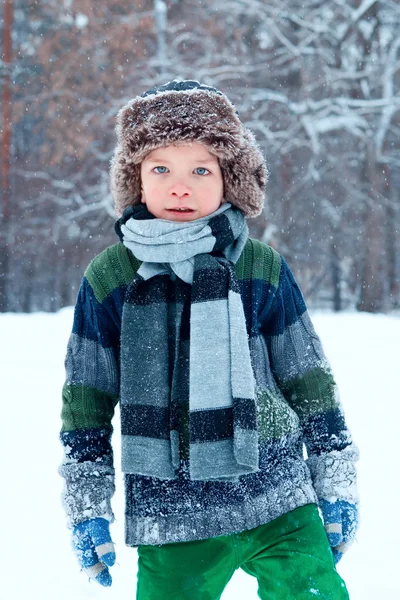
(306, 451)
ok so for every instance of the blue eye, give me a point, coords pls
(161, 172)
(203, 170)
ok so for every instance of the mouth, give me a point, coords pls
(180, 210)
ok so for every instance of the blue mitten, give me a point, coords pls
(92, 544)
(341, 522)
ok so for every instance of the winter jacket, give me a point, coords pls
(305, 448)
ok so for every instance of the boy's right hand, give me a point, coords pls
(92, 544)
(341, 523)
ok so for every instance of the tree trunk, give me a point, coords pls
(6, 153)
(392, 244)
(336, 277)
(160, 16)
(372, 272)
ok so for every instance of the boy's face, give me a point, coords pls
(184, 177)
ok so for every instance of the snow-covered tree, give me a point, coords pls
(317, 81)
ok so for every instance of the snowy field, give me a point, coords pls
(36, 560)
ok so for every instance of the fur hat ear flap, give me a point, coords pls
(183, 112)
(125, 182)
(245, 177)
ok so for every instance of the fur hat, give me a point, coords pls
(182, 112)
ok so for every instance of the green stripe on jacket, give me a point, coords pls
(89, 407)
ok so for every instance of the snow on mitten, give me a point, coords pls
(92, 544)
(334, 478)
(341, 522)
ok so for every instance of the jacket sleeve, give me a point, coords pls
(89, 396)
(305, 378)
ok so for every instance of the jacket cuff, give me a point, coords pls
(334, 474)
(87, 493)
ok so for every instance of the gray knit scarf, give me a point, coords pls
(186, 261)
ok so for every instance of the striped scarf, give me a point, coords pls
(187, 266)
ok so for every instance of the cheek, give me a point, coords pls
(152, 191)
(218, 190)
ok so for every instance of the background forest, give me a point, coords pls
(318, 82)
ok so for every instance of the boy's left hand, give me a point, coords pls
(94, 549)
(341, 522)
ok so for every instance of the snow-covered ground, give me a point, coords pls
(35, 556)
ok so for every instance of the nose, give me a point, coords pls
(179, 189)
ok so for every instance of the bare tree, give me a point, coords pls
(6, 153)
(318, 83)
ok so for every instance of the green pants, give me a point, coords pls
(290, 557)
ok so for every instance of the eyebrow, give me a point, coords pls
(196, 160)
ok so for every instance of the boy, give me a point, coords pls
(202, 335)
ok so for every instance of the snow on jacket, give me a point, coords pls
(298, 406)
